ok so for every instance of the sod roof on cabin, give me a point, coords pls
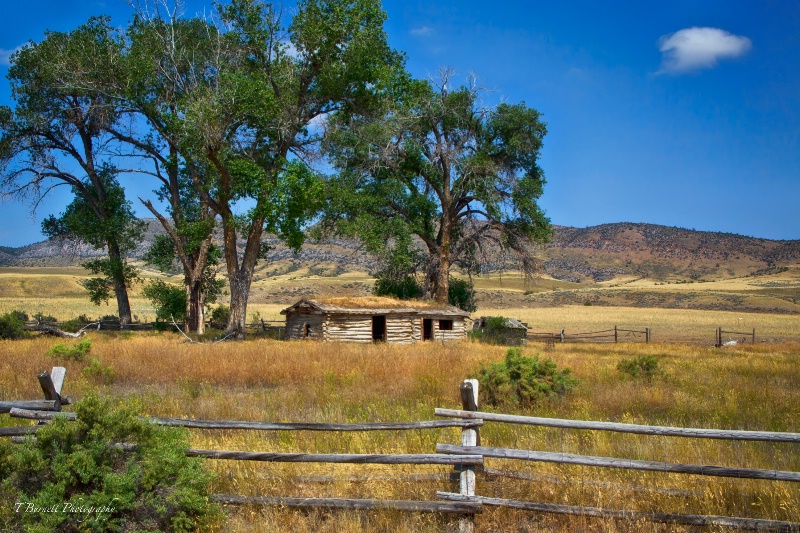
(373, 305)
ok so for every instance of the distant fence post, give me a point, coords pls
(647, 335)
(718, 341)
(615, 334)
(469, 437)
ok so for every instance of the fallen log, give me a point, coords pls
(47, 329)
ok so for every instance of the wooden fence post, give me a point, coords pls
(615, 334)
(754, 335)
(647, 335)
(51, 385)
(469, 437)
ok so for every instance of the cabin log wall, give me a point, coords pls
(296, 326)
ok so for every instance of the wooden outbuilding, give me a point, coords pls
(501, 330)
(374, 319)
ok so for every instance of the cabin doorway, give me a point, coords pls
(427, 329)
(379, 328)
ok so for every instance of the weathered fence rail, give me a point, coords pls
(720, 332)
(665, 518)
(45, 411)
(114, 325)
(615, 334)
(664, 431)
(613, 462)
(471, 412)
(468, 459)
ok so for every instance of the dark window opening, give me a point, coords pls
(307, 330)
(445, 325)
(427, 329)
(379, 328)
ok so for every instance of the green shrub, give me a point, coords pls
(168, 300)
(76, 352)
(220, 314)
(41, 317)
(12, 325)
(76, 324)
(461, 294)
(522, 380)
(403, 288)
(99, 373)
(495, 330)
(86, 484)
(644, 366)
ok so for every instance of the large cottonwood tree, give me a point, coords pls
(440, 166)
(57, 134)
(166, 59)
(258, 122)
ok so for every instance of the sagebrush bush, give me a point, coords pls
(99, 373)
(644, 366)
(84, 483)
(76, 352)
(522, 380)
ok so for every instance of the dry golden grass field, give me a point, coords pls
(743, 387)
(673, 311)
(755, 387)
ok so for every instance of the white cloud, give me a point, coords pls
(422, 31)
(5, 55)
(693, 49)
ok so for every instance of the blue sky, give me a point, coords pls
(677, 113)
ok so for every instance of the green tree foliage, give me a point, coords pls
(75, 465)
(256, 122)
(461, 294)
(434, 164)
(168, 300)
(166, 61)
(58, 135)
(404, 287)
(521, 380)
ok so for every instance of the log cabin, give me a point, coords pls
(374, 319)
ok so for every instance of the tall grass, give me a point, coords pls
(753, 387)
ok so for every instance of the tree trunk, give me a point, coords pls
(120, 286)
(442, 268)
(240, 293)
(442, 283)
(123, 304)
(240, 276)
(195, 312)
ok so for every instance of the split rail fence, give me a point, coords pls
(468, 458)
(603, 336)
(271, 328)
(720, 332)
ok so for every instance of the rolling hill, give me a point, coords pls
(623, 264)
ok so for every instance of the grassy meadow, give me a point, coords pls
(743, 387)
(747, 386)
